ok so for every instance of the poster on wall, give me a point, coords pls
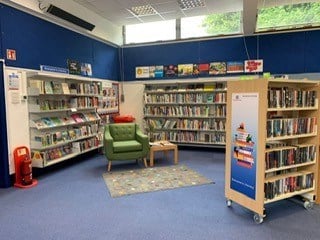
(253, 66)
(143, 72)
(74, 67)
(170, 70)
(185, 70)
(86, 69)
(244, 130)
(235, 67)
(217, 68)
(158, 71)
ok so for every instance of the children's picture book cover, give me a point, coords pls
(203, 69)
(170, 70)
(158, 71)
(235, 67)
(74, 67)
(143, 72)
(253, 66)
(185, 70)
(152, 70)
(86, 69)
(244, 130)
(217, 68)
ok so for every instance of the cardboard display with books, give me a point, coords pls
(63, 118)
(272, 143)
(186, 113)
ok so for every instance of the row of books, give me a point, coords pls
(190, 111)
(187, 124)
(74, 118)
(190, 137)
(84, 102)
(219, 97)
(52, 138)
(291, 126)
(105, 103)
(188, 87)
(69, 148)
(287, 97)
(76, 102)
(86, 144)
(288, 185)
(58, 87)
(290, 156)
(53, 153)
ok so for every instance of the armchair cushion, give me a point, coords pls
(127, 146)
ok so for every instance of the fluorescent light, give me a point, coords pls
(143, 10)
(189, 4)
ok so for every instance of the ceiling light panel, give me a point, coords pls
(143, 10)
(190, 4)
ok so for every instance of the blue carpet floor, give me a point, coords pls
(72, 202)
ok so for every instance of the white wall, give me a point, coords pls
(17, 113)
(133, 101)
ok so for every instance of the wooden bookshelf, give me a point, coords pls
(191, 114)
(272, 143)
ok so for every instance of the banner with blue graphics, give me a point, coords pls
(244, 130)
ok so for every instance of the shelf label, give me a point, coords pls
(53, 69)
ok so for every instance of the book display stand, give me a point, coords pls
(63, 118)
(272, 143)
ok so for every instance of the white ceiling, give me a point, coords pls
(117, 11)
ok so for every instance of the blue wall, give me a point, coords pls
(283, 53)
(38, 42)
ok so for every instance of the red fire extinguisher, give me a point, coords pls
(26, 171)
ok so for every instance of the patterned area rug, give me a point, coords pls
(142, 180)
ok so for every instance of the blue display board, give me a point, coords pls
(282, 53)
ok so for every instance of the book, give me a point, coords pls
(48, 87)
(170, 71)
(217, 68)
(56, 87)
(47, 122)
(56, 121)
(77, 117)
(185, 70)
(35, 83)
(74, 67)
(65, 88)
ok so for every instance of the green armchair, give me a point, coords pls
(125, 141)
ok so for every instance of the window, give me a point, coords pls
(211, 25)
(150, 32)
(288, 16)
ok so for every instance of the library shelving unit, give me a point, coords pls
(190, 114)
(272, 143)
(63, 118)
(108, 101)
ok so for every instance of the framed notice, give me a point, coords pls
(244, 130)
